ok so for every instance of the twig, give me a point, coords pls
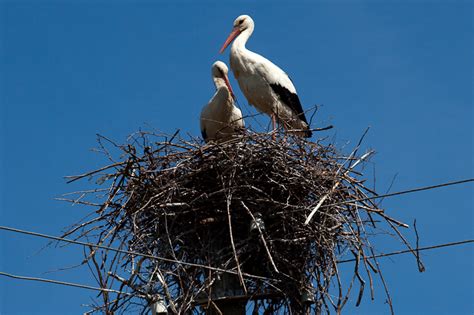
(264, 242)
(421, 267)
(229, 222)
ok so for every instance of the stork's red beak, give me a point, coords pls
(226, 80)
(229, 39)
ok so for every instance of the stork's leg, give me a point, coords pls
(274, 126)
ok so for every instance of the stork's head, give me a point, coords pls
(219, 69)
(220, 72)
(241, 23)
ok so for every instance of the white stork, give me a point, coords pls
(220, 119)
(265, 85)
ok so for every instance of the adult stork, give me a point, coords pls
(220, 119)
(264, 84)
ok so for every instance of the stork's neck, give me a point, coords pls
(242, 38)
(222, 90)
(222, 99)
(219, 82)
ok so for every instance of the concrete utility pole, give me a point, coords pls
(224, 289)
(227, 286)
(228, 308)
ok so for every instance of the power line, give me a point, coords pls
(62, 239)
(87, 287)
(82, 286)
(402, 192)
(410, 251)
(56, 238)
(69, 284)
(10, 229)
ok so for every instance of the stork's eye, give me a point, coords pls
(241, 21)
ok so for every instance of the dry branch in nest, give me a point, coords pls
(255, 219)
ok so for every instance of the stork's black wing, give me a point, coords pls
(290, 99)
(204, 134)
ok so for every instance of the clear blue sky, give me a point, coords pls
(71, 69)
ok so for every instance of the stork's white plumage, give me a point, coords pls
(220, 118)
(265, 85)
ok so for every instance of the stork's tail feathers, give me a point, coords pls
(306, 130)
(301, 129)
(303, 132)
(307, 133)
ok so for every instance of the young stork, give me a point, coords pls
(265, 85)
(220, 119)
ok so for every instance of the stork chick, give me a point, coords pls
(220, 118)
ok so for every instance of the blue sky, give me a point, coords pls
(71, 69)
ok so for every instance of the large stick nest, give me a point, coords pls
(227, 222)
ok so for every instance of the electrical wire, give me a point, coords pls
(64, 283)
(410, 251)
(62, 239)
(82, 286)
(402, 192)
(10, 229)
